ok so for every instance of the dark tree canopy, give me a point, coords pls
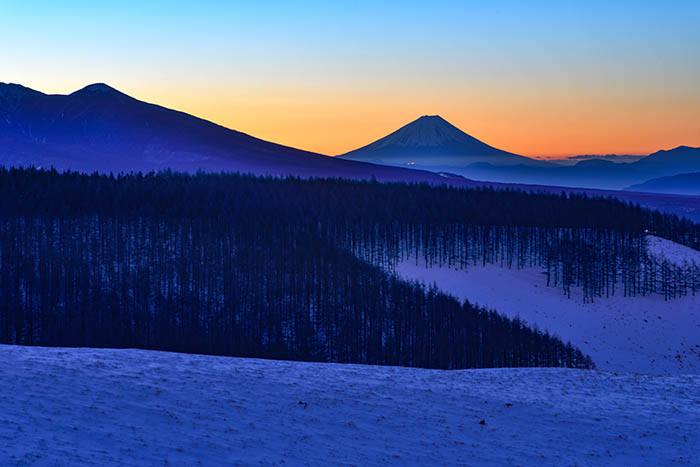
(296, 269)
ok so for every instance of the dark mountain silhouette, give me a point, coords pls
(678, 160)
(101, 129)
(683, 184)
(431, 142)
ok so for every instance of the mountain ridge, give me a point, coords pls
(95, 132)
(99, 128)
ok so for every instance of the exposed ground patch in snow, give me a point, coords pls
(640, 334)
(674, 253)
(130, 407)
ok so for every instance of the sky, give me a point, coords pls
(538, 78)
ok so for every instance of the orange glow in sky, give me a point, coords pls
(537, 78)
(533, 124)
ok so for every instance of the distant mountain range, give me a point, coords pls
(683, 184)
(607, 157)
(592, 173)
(101, 129)
(432, 143)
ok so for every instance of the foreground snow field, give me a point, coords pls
(133, 407)
(635, 334)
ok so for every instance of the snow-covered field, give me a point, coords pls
(131, 407)
(639, 334)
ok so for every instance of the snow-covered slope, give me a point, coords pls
(637, 334)
(678, 255)
(130, 407)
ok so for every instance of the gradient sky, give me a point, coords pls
(535, 77)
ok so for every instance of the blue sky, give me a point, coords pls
(328, 76)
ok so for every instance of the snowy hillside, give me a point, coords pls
(679, 255)
(130, 407)
(639, 334)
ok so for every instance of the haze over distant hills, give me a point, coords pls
(593, 173)
(432, 143)
(683, 184)
(101, 129)
(606, 157)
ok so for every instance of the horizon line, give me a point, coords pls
(561, 156)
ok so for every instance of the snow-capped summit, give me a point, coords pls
(428, 130)
(431, 141)
(95, 89)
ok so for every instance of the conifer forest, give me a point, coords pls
(287, 268)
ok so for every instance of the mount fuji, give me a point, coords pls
(433, 143)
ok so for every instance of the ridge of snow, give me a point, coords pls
(84, 407)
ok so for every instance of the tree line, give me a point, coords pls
(287, 268)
